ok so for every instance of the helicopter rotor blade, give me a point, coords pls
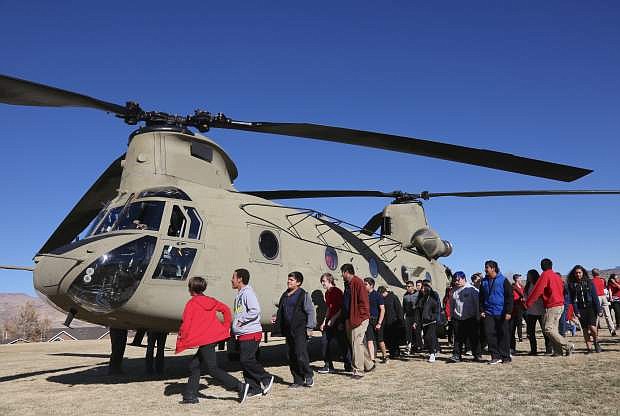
(298, 194)
(373, 223)
(17, 91)
(403, 196)
(469, 155)
(10, 267)
(103, 190)
(428, 195)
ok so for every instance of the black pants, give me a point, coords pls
(418, 343)
(205, 356)
(466, 333)
(253, 371)
(615, 305)
(118, 339)
(331, 334)
(530, 325)
(516, 327)
(498, 336)
(159, 339)
(392, 335)
(430, 338)
(298, 357)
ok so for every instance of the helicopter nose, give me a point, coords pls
(50, 270)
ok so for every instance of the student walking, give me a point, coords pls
(551, 288)
(201, 328)
(248, 331)
(296, 319)
(534, 313)
(586, 305)
(496, 304)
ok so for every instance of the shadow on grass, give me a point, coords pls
(76, 354)
(176, 367)
(38, 373)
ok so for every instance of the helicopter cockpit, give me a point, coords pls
(160, 214)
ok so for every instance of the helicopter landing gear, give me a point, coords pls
(118, 340)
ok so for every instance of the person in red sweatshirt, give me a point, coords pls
(201, 328)
(599, 285)
(551, 288)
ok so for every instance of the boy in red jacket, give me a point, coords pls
(201, 328)
(551, 288)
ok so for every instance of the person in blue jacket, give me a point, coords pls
(496, 303)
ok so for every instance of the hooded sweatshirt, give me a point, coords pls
(200, 324)
(246, 311)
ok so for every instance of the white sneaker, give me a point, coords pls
(431, 358)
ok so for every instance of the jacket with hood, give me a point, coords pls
(201, 325)
(246, 311)
(428, 307)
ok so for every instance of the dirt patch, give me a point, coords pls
(70, 378)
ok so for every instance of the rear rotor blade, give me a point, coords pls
(428, 195)
(469, 155)
(21, 92)
(103, 190)
(373, 223)
(297, 194)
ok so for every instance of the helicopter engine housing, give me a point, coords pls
(428, 242)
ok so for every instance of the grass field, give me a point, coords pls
(70, 378)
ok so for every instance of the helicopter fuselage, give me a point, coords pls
(177, 215)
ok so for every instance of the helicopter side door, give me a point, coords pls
(180, 245)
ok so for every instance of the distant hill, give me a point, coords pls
(606, 272)
(10, 303)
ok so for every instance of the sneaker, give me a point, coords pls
(431, 358)
(267, 386)
(570, 349)
(455, 359)
(309, 382)
(189, 400)
(325, 370)
(495, 361)
(243, 392)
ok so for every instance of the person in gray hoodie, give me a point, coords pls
(464, 314)
(248, 331)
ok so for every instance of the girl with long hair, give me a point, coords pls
(586, 304)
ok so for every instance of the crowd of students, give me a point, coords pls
(480, 314)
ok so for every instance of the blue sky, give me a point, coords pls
(538, 79)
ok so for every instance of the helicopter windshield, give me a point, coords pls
(143, 215)
(109, 281)
(109, 218)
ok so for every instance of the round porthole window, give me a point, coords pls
(268, 244)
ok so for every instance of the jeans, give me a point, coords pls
(159, 339)
(430, 338)
(530, 322)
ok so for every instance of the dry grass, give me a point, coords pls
(70, 378)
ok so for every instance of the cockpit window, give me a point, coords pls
(164, 192)
(143, 215)
(195, 226)
(177, 223)
(108, 221)
(174, 263)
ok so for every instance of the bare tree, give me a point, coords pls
(27, 324)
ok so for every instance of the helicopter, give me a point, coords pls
(167, 210)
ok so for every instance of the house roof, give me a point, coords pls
(79, 333)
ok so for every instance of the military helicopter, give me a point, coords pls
(167, 210)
